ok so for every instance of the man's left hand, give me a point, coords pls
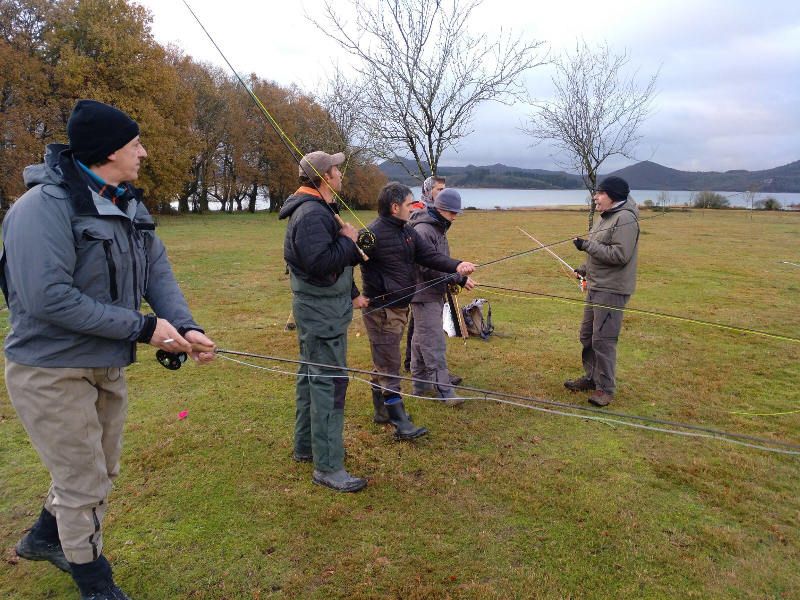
(580, 243)
(195, 337)
(465, 268)
(470, 284)
(360, 301)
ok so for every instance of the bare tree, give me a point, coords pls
(342, 101)
(422, 74)
(596, 111)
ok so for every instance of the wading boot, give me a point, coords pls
(455, 379)
(95, 581)
(404, 428)
(381, 415)
(581, 384)
(340, 480)
(601, 398)
(42, 543)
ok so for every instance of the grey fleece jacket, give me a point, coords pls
(75, 269)
(433, 232)
(612, 250)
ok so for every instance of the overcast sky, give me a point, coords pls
(728, 90)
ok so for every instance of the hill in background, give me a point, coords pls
(645, 175)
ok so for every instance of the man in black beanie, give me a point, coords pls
(610, 271)
(79, 255)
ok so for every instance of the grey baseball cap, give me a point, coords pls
(448, 199)
(315, 164)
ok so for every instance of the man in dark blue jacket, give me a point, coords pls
(389, 281)
(79, 255)
(321, 254)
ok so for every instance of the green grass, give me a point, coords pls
(498, 501)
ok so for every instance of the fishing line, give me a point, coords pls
(294, 151)
(481, 265)
(554, 407)
(569, 239)
(651, 313)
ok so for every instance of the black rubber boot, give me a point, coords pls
(404, 428)
(381, 414)
(95, 580)
(42, 543)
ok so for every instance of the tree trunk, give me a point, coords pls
(204, 199)
(593, 185)
(251, 207)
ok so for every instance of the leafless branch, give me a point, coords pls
(596, 111)
(422, 74)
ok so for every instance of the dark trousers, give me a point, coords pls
(599, 333)
(385, 331)
(320, 393)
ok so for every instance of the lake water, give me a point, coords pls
(490, 198)
(494, 198)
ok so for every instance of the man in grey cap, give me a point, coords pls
(80, 254)
(610, 271)
(429, 344)
(321, 254)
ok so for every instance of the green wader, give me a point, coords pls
(322, 315)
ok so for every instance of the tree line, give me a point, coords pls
(206, 140)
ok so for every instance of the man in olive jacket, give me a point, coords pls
(610, 271)
(389, 282)
(321, 254)
(79, 255)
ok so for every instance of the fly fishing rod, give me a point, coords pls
(366, 238)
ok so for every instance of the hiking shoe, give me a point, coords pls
(302, 457)
(111, 592)
(450, 398)
(340, 480)
(582, 384)
(601, 398)
(455, 379)
(33, 548)
(421, 390)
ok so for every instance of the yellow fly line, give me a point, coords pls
(275, 125)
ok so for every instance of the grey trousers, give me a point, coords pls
(385, 331)
(429, 346)
(74, 418)
(599, 333)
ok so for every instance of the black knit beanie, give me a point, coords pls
(96, 130)
(616, 188)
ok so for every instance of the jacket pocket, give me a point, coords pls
(96, 259)
(112, 270)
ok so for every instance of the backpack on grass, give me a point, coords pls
(478, 318)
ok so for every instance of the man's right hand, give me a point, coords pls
(465, 268)
(349, 231)
(167, 338)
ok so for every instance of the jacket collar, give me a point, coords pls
(86, 201)
(440, 220)
(392, 220)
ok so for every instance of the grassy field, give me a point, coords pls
(498, 501)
